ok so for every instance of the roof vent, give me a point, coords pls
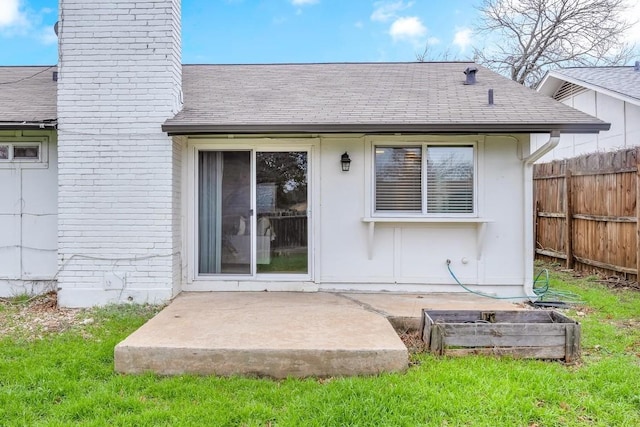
(567, 90)
(471, 75)
(55, 76)
(637, 66)
(490, 96)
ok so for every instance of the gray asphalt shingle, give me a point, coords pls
(365, 96)
(27, 94)
(622, 80)
(374, 95)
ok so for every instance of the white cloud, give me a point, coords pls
(18, 20)
(10, 14)
(48, 36)
(408, 28)
(462, 38)
(303, 2)
(432, 41)
(359, 25)
(387, 10)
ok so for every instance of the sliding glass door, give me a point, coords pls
(224, 212)
(282, 207)
(234, 241)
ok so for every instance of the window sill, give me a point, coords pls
(426, 219)
(480, 223)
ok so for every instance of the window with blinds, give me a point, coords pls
(448, 173)
(398, 179)
(449, 179)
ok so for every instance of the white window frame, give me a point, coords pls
(477, 142)
(12, 142)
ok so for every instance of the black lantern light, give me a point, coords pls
(345, 161)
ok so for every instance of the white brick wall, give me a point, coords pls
(178, 147)
(120, 79)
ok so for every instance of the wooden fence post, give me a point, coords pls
(568, 218)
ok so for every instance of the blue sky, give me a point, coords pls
(259, 31)
(265, 31)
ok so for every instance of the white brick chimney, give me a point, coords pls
(119, 174)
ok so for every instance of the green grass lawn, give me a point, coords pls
(66, 378)
(290, 263)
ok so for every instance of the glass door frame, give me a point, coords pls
(254, 146)
(285, 276)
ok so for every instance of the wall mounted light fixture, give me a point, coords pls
(345, 161)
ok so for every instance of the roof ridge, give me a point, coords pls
(334, 63)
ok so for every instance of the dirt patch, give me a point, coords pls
(413, 341)
(38, 316)
(611, 281)
(620, 283)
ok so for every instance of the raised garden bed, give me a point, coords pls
(538, 334)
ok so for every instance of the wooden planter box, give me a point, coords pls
(539, 334)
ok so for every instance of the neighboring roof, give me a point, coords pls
(619, 82)
(27, 97)
(364, 97)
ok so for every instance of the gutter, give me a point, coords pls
(529, 243)
(175, 127)
(28, 125)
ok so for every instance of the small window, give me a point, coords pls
(425, 179)
(26, 152)
(21, 152)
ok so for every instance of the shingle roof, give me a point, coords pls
(27, 95)
(355, 97)
(621, 80)
(364, 97)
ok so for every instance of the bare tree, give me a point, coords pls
(428, 55)
(527, 37)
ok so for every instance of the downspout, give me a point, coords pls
(527, 168)
(554, 139)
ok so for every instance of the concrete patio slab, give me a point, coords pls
(284, 334)
(403, 310)
(265, 334)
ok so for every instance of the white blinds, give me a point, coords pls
(398, 179)
(449, 179)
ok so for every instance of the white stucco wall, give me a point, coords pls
(28, 217)
(405, 256)
(413, 256)
(120, 79)
(625, 127)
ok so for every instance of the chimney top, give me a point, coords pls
(637, 66)
(471, 75)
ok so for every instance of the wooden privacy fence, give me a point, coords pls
(586, 212)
